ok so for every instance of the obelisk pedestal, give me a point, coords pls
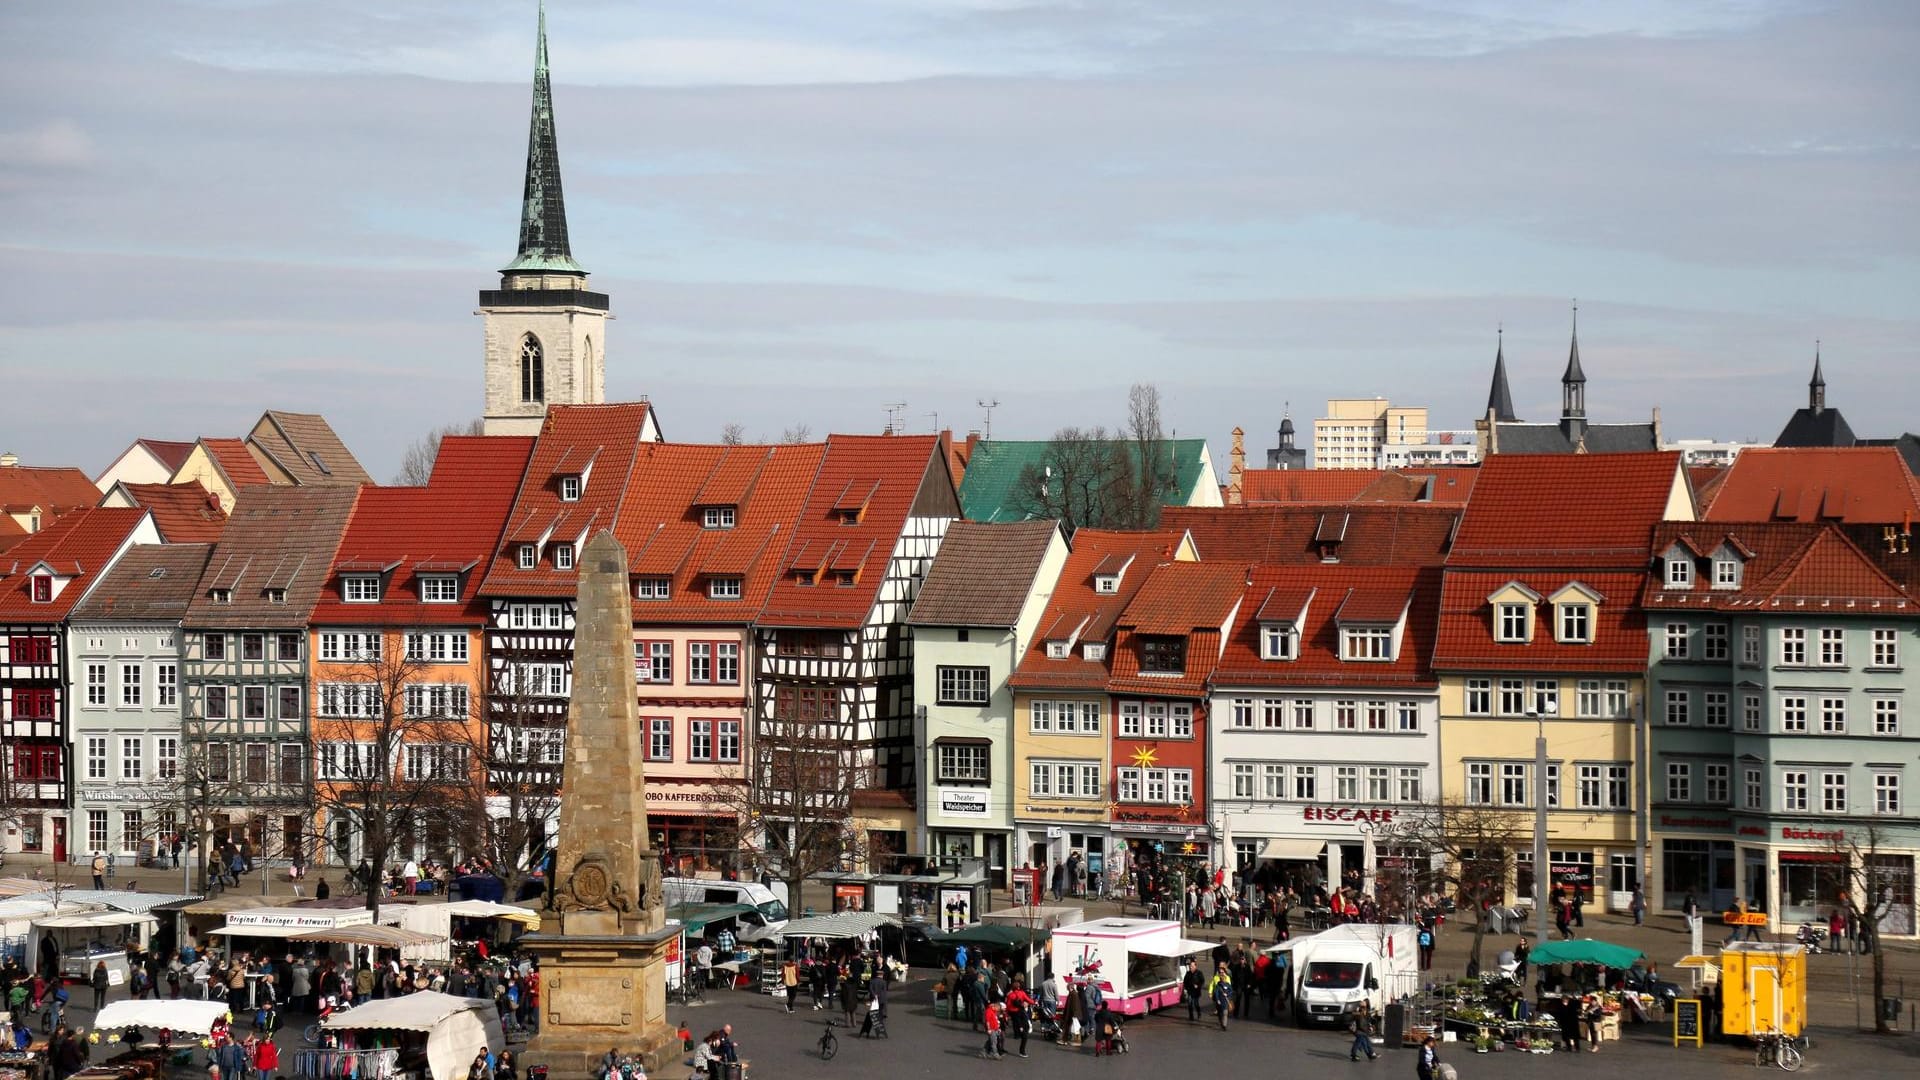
(603, 941)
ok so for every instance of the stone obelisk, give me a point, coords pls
(603, 940)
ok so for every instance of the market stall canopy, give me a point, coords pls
(94, 918)
(379, 937)
(1584, 951)
(844, 925)
(289, 921)
(457, 1028)
(1293, 850)
(220, 905)
(117, 899)
(1176, 947)
(21, 886)
(994, 935)
(487, 909)
(178, 1015)
(696, 917)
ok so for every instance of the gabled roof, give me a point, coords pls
(1394, 535)
(305, 446)
(1414, 589)
(1078, 611)
(11, 532)
(279, 536)
(661, 524)
(1579, 510)
(882, 477)
(151, 581)
(1440, 484)
(1865, 485)
(78, 546)
(449, 526)
(184, 513)
(609, 434)
(235, 461)
(989, 490)
(55, 489)
(1180, 597)
(1706, 481)
(1465, 638)
(1810, 428)
(1783, 564)
(167, 452)
(983, 574)
(1594, 439)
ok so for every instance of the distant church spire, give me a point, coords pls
(1817, 388)
(1573, 383)
(543, 210)
(1499, 398)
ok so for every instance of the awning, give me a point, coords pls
(95, 918)
(487, 909)
(380, 937)
(1290, 849)
(179, 1015)
(1176, 947)
(250, 931)
(220, 905)
(420, 1011)
(844, 925)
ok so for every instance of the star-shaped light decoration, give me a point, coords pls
(1144, 756)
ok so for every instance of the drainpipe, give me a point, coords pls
(1642, 800)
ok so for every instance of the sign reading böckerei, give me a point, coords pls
(964, 802)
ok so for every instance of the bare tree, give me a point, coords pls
(794, 802)
(511, 816)
(733, 434)
(1149, 475)
(393, 745)
(195, 798)
(1108, 480)
(798, 433)
(1872, 886)
(1476, 849)
(416, 465)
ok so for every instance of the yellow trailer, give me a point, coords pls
(1763, 988)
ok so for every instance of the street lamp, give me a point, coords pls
(1542, 872)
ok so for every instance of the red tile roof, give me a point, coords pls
(1465, 639)
(185, 513)
(1179, 599)
(661, 524)
(1863, 484)
(450, 525)
(878, 478)
(1449, 485)
(1706, 484)
(171, 454)
(54, 489)
(278, 538)
(1396, 535)
(1075, 606)
(236, 462)
(11, 532)
(78, 545)
(1278, 593)
(1782, 563)
(607, 435)
(1578, 510)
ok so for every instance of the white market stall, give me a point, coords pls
(196, 1017)
(282, 922)
(1136, 963)
(456, 1029)
(436, 920)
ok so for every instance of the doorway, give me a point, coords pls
(59, 840)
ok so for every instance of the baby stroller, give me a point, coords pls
(1110, 1035)
(1046, 1021)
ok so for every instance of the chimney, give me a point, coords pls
(1236, 465)
(8, 460)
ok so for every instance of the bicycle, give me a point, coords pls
(693, 990)
(1774, 1048)
(829, 1043)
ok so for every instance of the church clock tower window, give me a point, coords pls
(533, 373)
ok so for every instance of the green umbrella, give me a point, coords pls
(1584, 951)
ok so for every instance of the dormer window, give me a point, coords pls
(360, 588)
(43, 588)
(1366, 643)
(653, 588)
(1726, 571)
(1059, 650)
(723, 588)
(439, 589)
(717, 517)
(221, 596)
(528, 557)
(1679, 571)
(570, 489)
(1513, 623)
(1107, 584)
(276, 596)
(1163, 654)
(563, 556)
(1279, 641)
(1574, 625)
(1094, 650)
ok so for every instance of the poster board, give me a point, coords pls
(849, 898)
(956, 907)
(1686, 1021)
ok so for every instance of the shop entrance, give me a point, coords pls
(59, 840)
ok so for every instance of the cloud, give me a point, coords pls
(57, 144)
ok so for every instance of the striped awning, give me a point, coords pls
(380, 937)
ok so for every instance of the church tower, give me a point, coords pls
(545, 333)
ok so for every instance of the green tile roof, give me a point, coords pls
(987, 492)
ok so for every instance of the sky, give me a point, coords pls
(804, 212)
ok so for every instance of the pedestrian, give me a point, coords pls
(790, 978)
(99, 871)
(1563, 919)
(99, 981)
(1220, 992)
(1638, 906)
(266, 1058)
(1360, 1022)
(1690, 908)
(1426, 946)
(996, 1046)
(1193, 986)
(1590, 1016)
(1579, 908)
(1429, 1059)
(849, 999)
(1520, 950)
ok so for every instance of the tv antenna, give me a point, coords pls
(894, 411)
(986, 429)
(935, 417)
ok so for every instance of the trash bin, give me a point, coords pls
(1395, 1028)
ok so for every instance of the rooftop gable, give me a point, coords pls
(53, 490)
(1411, 594)
(305, 447)
(1854, 485)
(983, 574)
(184, 513)
(1586, 510)
(76, 547)
(151, 581)
(1368, 535)
(278, 538)
(1078, 613)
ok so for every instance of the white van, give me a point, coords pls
(1336, 969)
(763, 924)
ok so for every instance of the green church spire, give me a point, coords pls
(543, 210)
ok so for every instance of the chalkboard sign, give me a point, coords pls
(1686, 1021)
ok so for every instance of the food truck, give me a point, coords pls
(1763, 988)
(1136, 963)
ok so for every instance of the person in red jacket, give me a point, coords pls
(1020, 1006)
(266, 1058)
(996, 1046)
